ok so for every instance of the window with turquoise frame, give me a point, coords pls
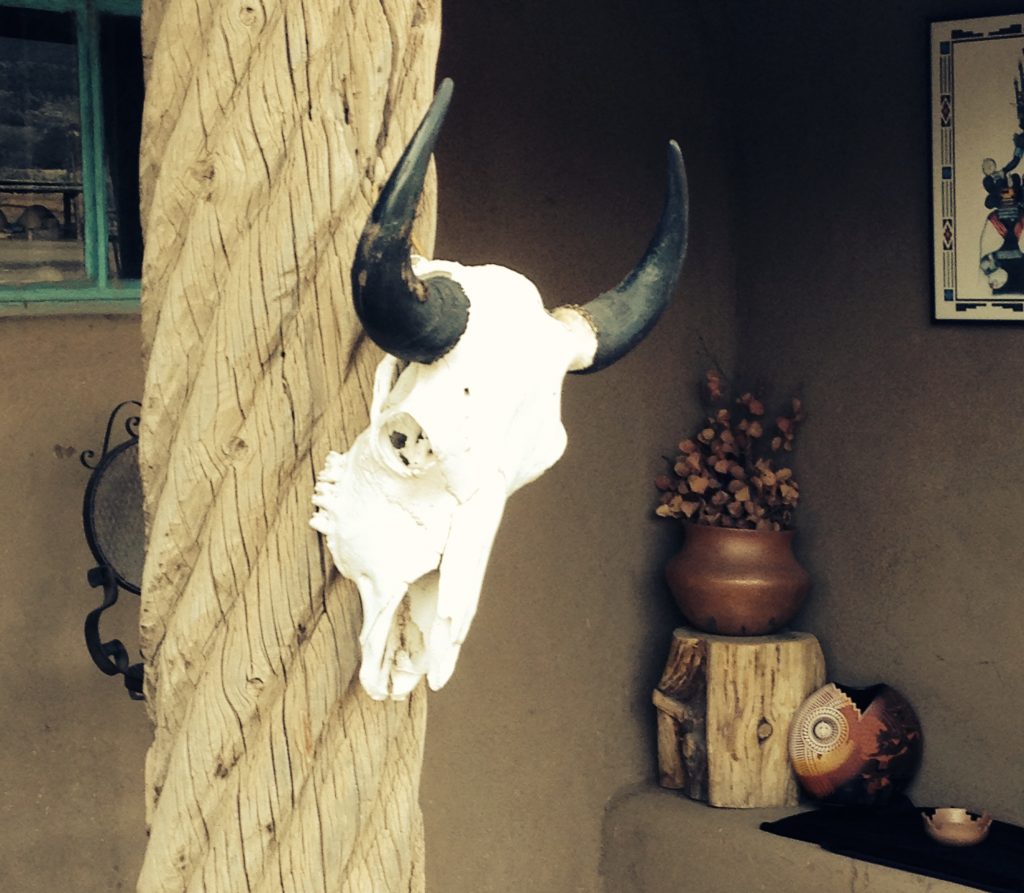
(70, 121)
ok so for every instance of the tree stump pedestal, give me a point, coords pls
(725, 704)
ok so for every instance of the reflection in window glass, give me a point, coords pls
(121, 76)
(41, 234)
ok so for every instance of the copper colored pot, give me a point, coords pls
(737, 582)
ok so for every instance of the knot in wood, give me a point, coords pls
(764, 730)
(247, 15)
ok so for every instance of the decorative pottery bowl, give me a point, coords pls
(855, 746)
(733, 582)
(953, 826)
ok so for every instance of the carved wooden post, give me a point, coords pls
(269, 129)
(724, 709)
(681, 699)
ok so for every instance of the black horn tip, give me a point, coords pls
(413, 319)
(623, 316)
(444, 91)
(401, 193)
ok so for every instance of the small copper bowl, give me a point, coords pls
(954, 826)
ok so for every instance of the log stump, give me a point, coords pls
(724, 709)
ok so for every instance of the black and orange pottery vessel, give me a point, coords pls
(737, 582)
(855, 746)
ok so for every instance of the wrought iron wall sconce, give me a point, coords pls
(114, 529)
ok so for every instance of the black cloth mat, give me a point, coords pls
(895, 836)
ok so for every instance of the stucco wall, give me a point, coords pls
(910, 520)
(72, 743)
(910, 466)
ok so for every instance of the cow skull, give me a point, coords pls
(465, 411)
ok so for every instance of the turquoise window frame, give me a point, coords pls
(98, 293)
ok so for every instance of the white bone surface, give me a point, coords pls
(410, 511)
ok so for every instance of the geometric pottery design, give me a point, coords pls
(855, 746)
(820, 727)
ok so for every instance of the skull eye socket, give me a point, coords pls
(405, 445)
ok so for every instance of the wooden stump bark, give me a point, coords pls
(269, 129)
(724, 706)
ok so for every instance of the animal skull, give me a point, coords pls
(465, 411)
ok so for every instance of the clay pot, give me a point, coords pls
(855, 746)
(737, 582)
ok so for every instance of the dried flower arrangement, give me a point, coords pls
(732, 473)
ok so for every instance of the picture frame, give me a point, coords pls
(978, 168)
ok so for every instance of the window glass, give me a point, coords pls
(121, 77)
(41, 231)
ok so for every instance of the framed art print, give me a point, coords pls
(977, 147)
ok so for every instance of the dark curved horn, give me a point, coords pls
(417, 320)
(623, 316)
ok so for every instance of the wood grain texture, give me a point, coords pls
(269, 129)
(681, 699)
(724, 708)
